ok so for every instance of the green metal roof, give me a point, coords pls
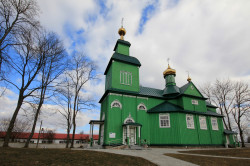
(169, 107)
(122, 58)
(151, 92)
(122, 42)
(210, 105)
(183, 88)
(165, 107)
(228, 132)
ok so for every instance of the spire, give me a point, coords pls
(188, 79)
(169, 71)
(122, 31)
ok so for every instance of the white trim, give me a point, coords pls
(214, 125)
(129, 118)
(203, 122)
(168, 119)
(145, 98)
(142, 104)
(115, 94)
(126, 78)
(191, 121)
(129, 96)
(118, 102)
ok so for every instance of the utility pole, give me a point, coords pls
(39, 134)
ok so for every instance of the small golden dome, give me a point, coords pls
(169, 71)
(122, 32)
(188, 79)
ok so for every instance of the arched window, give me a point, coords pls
(116, 103)
(142, 107)
(129, 120)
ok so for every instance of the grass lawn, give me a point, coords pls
(207, 161)
(243, 152)
(19, 156)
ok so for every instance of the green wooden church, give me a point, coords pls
(174, 116)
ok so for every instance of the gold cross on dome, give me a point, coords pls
(122, 21)
(168, 60)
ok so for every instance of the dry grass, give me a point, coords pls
(14, 156)
(216, 161)
(208, 161)
(243, 152)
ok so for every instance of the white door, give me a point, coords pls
(227, 137)
(102, 133)
(132, 136)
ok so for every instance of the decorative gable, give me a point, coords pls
(192, 90)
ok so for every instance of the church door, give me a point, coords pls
(132, 136)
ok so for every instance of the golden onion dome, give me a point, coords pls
(188, 79)
(169, 71)
(122, 32)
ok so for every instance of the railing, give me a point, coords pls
(145, 142)
(116, 141)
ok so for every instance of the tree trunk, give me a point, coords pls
(13, 119)
(34, 125)
(74, 130)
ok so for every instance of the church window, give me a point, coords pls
(125, 78)
(142, 107)
(164, 120)
(129, 119)
(116, 103)
(190, 121)
(203, 122)
(195, 102)
(214, 123)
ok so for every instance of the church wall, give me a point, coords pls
(122, 49)
(187, 104)
(108, 79)
(188, 136)
(203, 134)
(113, 125)
(142, 118)
(163, 136)
(217, 136)
(116, 68)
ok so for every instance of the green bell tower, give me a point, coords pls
(170, 87)
(122, 72)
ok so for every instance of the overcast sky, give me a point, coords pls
(210, 39)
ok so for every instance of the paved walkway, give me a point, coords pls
(155, 155)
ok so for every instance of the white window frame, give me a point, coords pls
(214, 125)
(190, 121)
(142, 105)
(195, 102)
(203, 122)
(125, 78)
(167, 124)
(116, 102)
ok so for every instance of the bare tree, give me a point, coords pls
(49, 135)
(15, 17)
(81, 71)
(221, 94)
(20, 126)
(27, 65)
(64, 98)
(241, 109)
(53, 50)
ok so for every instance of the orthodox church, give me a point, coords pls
(134, 115)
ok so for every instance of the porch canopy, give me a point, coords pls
(92, 123)
(228, 132)
(132, 124)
